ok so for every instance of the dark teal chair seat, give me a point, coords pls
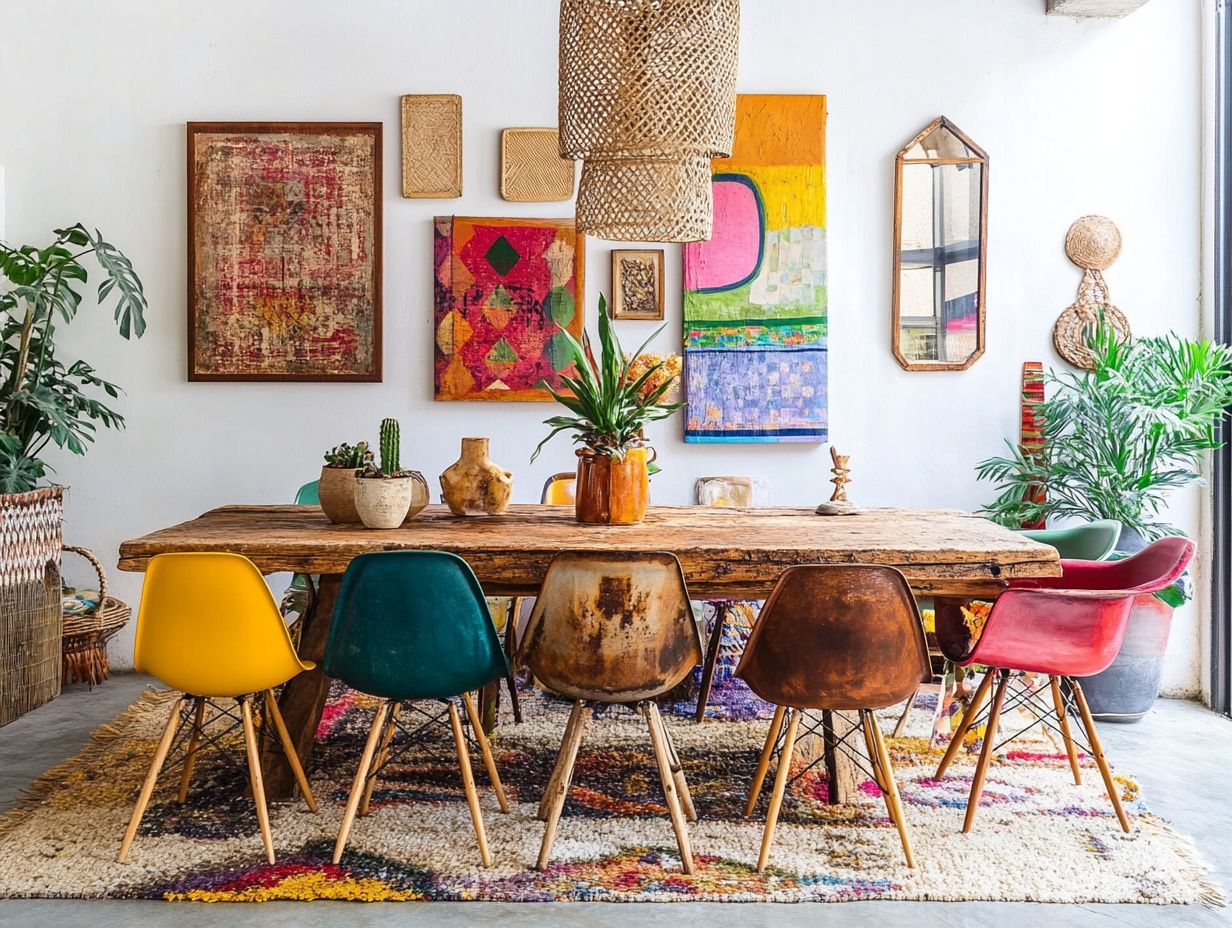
(413, 625)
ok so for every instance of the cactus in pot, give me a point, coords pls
(385, 494)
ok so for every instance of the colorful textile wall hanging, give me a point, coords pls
(755, 304)
(1031, 434)
(284, 251)
(504, 288)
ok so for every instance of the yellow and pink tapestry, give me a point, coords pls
(504, 291)
(755, 306)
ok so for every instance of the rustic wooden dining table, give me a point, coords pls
(948, 555)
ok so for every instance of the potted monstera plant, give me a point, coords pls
(611, 401)
(47, 402)
(1118, 440)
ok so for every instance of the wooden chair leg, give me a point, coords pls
(485, 749)
(361, 774)
(711, 661)
(545, 801)
(902, 719)
(874, 756)
(151, 778)
(288, 748)
(194, 741)
(763, 762)
(990, 739)
(254, 775)
(677, 769)
(468, 784)
(1097, 750)
(894, 801)
(511, 648)
(659, 742)
(560, 789)
(1058, 702)
(780, 787)
(960, 735)
(382, 755)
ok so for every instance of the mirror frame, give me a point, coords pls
(981, 159)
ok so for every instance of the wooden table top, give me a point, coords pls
(724, 552)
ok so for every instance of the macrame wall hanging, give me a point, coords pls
(1093, 244)
(647, 99)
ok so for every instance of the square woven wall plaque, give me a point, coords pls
(432, 145)
(532, 170)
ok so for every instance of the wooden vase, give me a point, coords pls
(474, 484)
(611, 492)
(336, 494)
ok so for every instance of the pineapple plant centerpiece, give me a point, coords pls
(386, 495)
(611, 401)
(336, 488)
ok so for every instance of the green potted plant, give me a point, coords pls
(386, 495)
(45, 402)
(336, 488)
(611, 401)
(1117, 441)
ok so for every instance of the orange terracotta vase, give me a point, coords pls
(611, 492)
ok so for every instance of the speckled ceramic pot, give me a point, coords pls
(383, 502)
(336, 494)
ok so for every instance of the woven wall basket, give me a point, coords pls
(30, 617)
(1092, 243)
(647, 98)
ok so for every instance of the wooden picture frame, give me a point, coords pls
(272, 294)
(969, 155)
(633, 296)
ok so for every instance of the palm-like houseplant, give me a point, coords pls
(44, 401)
(1118, 439)
(611, 399)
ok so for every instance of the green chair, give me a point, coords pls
(307, 494)
(413, 625)
(1090, 541)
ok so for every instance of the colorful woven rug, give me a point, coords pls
(1038, 836)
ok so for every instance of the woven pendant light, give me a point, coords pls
(647, 98)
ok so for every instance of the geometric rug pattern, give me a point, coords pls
(1038, 836)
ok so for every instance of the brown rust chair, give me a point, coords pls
(835, 638)
(613, 628)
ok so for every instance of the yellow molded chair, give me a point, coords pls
(209, 627)
(559, 489)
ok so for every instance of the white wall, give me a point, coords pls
(1077, 117)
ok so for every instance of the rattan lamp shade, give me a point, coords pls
(647, 98)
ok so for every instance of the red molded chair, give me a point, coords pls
(1061, 627)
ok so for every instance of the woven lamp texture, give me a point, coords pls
(647, 99)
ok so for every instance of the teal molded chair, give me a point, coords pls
(1090, 541)
(413, 625)
(307, 494)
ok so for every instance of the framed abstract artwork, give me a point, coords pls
(284, 251)
(755, 297)
(503, 291)
(637, 283)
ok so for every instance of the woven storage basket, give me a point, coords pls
(30, 617)
(647, 98)
(86, 633)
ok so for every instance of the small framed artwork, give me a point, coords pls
(284, 251)
(637, 283)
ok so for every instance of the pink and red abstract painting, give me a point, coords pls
(504, 290)
(284, 251)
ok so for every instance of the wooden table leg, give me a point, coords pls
(843, 774)
(303, 698)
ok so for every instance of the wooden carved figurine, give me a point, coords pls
(842, 476)
(474, 484)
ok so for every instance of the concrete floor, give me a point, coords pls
(1181, 753)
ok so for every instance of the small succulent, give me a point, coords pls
(349, 456)
(391, 446)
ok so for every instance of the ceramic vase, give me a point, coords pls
(474, 484)
(611, 492)
(336, 494)
(419, 495)
(383, 502)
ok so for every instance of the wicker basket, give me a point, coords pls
(30, 617)
(86, 633)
